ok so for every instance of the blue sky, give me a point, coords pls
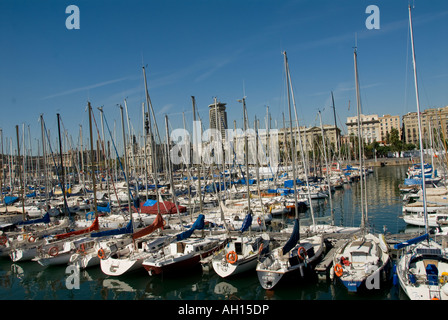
(214, 48)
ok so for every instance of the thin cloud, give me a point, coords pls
(165, 108)
(93, 86)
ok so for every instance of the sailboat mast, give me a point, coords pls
(358, 100)
(44, 157)
(20, 176)
(62, 166)
(338, 143)
(126, 163)
(170, 172)
(198, 168)
(293, 145)
(419, 122)
(152, 142)
(92, 164)
(327, 169)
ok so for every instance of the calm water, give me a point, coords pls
(30, 281)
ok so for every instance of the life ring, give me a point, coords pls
(338, 270)
(31, 239)
(231, 257)
(3, 240)
(301, 252)
(53, 251)
(259, 221)
(101, 254)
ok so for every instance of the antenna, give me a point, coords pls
(356, 41)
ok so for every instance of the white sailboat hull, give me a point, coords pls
(225, 269)
(118, 267)
(25, 254)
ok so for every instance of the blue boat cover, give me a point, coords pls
(149, 203)
(247, 222)
(113, 232)
(10, 200)
(104, 209)
(44, 219)
(290, 183)
(197, 225)
(411, 182)
(411, 241)
(294, 237)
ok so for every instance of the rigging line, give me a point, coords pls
(102, 144)
(406, 71)
(118, 157)
(57, 171)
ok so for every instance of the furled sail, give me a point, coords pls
(44, 219)
(156, 224)
(197, 225)
(247, 222)
(127, 229)
(293, 239)
(411, 241)
(93, 227)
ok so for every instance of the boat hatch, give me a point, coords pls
(429, 251)
(238, 248)
(180, 247)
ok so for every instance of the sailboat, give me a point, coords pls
(117, 260)
(297, 257)
(422, 269)
(241, 252)
(120, 260)
(365, 256)
(184, 251)
(87, 255)
(59, 248)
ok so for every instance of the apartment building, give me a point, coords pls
(387, 123)
(370, 127)
(434, 118)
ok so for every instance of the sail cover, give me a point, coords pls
(197, 225)
(10, 200)
(127, 229)
(156, 224)
(44, 219)
(247, 222)
(293, 239)
(104, 209)
(95, 226)
(411, 241)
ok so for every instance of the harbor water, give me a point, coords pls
(31, 281)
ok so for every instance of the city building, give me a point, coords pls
(216, 111)
(387, 123)
(370, 127)
(434, 118)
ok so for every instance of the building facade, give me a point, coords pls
(435, 119)
(218, 117)
(387, 123)
(370, 127)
